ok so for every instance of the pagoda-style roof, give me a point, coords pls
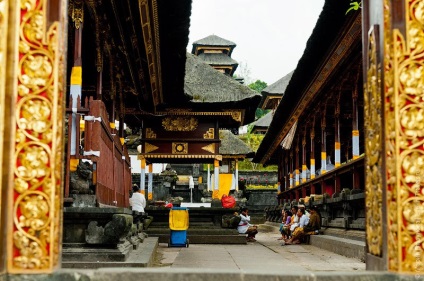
(232, 146)
(333, 46)
(272, 94)
(217, 59)
(213, 42)
(261, 125)
(213, 91)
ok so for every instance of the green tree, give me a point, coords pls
(258, 86)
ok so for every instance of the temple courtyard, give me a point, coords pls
(266, 255)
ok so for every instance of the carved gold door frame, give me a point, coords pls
(31, 91)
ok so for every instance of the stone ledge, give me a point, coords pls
(345, 247)
(159, 274)
(142, 257)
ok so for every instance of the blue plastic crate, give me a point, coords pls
(178, 238)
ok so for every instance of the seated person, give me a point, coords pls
(285, 222)
(293, 223)
(244, 226)
(137, 202)
(311, 227)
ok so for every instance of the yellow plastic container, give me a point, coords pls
(178, 218)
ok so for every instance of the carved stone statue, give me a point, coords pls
(81, 179)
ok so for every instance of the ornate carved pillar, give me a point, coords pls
(32, 81)
(394, 126)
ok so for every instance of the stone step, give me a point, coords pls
(349, 243)
(346, 247)
(206, 239)
(142, 257)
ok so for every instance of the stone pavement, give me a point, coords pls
(264, 256)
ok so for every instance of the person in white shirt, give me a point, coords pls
(245, 227)
(137, 200)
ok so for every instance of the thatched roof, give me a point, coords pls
(232, 145)
(213, 40)
(206, 84)
(280, 86)
(217, 59)
(211, 89)
(263, 122)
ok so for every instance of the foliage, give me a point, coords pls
(259, 186)
(258, 86)
(355, 5)
(253, 141)
(260, 112)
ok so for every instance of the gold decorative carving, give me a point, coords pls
(209, 148)
(77, 13)
(373, 149)
(34, 232)
(210, 134)
(404, 113)
(3, 47)
(150, 25)
(150, 134)
(179, 148)
(148, 147)
(236, 115)
(180, 124)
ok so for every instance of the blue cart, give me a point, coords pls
(178, 224)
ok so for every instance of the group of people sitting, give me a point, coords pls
(298, 223)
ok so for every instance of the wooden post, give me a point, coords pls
(337, 133)
(150, 182)
(313, 149)
(297, 172)
(304, 157)
(323, 144)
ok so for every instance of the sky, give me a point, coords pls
(270, 35)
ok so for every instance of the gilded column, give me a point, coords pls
(394, 133)
(35, 82)
(4, 10)
(404, 127)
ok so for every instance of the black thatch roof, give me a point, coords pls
(279, 87)
(331, 23)
(210, 88)
(232, 145)
(263, 122)
(213, 40)
(275, 90)
(217, 59)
